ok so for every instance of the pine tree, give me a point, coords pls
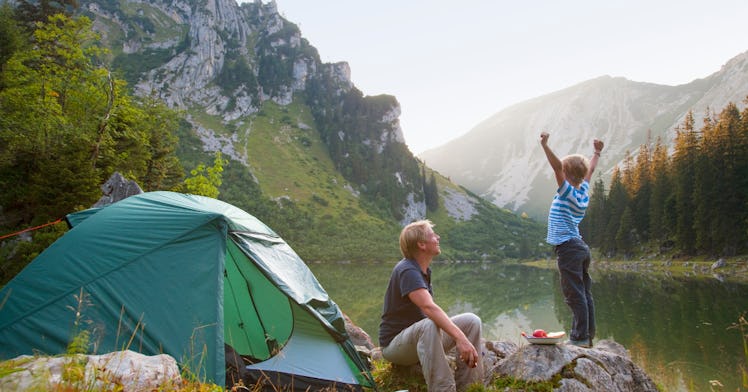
(684, 161)
(616, 203)
(741, 169)
(717, 176)
(431, 193)
(659, 226)
(597, 216)
(626, 234)
(642, 189)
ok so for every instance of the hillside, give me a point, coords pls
(500, 158)
(311, 155)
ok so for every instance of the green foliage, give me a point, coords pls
(235, 73)
(430, 191)
(206, 180)
(11, 34)
(695, 200)
(66, 124)
(80, 343)
(17, 253)
(33, 12)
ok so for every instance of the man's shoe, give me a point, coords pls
(587, 343)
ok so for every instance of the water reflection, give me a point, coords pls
(676, 328)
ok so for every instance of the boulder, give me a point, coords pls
(123, 370)
(117, 188)
(605, 367)
(721, 263)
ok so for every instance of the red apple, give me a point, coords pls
(539, 333)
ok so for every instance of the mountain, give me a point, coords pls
(312, 156)
(501, 159)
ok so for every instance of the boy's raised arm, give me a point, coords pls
(558, 168)
(598, 146)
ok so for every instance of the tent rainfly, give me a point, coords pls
(189, 276)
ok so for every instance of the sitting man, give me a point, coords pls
(414, 328)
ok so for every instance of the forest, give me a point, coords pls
(692, 200)
(67, 122)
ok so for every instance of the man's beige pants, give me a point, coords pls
(424, 342)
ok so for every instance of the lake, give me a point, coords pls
(678, 329)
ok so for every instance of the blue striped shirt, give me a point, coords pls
(567, 210)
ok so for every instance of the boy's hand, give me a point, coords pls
(597, 144)
(544, 138)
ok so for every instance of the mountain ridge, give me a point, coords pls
(500, 159)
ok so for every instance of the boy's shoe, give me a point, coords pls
(587, 343)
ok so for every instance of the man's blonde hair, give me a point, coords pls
(575, 168)
(411, 235)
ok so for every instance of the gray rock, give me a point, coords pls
(605, 367)
(124, 369)
(117, 188)
(719, 264)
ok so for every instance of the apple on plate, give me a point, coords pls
(539, 333)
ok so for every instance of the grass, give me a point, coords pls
(396, 378)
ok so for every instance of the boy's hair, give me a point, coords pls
(575, 168)
(411, 235)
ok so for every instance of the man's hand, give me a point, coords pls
(598, 145)
(468, 353)
(544, 138)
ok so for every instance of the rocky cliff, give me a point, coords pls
(221, 62)
(306, 139)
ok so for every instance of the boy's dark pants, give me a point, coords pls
(573, 258)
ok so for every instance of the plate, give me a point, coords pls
(533, 340)
(557, 338)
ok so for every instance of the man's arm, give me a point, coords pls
(598, 146)
(423, 300)
(558, 168)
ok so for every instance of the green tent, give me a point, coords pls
(188, 276)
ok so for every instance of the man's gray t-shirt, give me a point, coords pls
(399, 311)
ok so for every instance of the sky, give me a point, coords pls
(453, 64)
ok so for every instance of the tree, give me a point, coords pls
(642, 189)
(616, 203)
(11, 35)
(206, 180)
(597, 215)
(66, 125)
(659, 226)
(684, 162)
(163, 169)
(717, 176)
(431, 192)
(626, 234)
(33, 12)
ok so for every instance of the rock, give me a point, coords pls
(605, 367)
(361, 341)
(719, 264)
(123, 370)
(117, 188)
(358, 336)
